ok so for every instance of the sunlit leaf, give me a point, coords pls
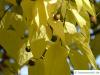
(24, 56)
(70, 17)
(79, 4)
(58, 29)
(80, 20)
(82, 63)
(38, 68)
(29, 12)
(68, 38)
(86, 29)
(29, 9)
(49, 32)
(63, 8)
(70, 28)
(88, 7)
(44, 33)
(55, 60)
(42, 12)
(12, 35)
(51, 8)
(84, 47)
(38, 47)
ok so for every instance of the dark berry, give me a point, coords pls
(57, 17)
(18, 2)
(31, 62)
(54, 38)
(28, 49)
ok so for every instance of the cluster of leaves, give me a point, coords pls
(44, 34)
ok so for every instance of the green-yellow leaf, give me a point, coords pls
(95, 45)
(29, 9)
(84, 47)
(42, 12)
(51, 8)
(58, 29)
(80, 20)
(38, 68)
(55, 60)
(70, 17)
(79, 4)
(23, 55)
(81, 63)
(63, 8)
(86, 29)
(88, 7)
(11, 36)
(38, 47)
(49, 32)
(71, 29)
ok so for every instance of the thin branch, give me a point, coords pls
(5, 12)
(98, 13)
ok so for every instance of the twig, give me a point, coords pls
(98, 13)
(5, 12)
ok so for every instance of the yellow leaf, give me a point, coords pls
(51, 8)
(38, 68)
(90, 55)
(95, 45)
(42, 12)
(11, 36)
(84, 47)
(33, 28)
(23, 55)
(55, 60)
(29, 12)
(58, 29)
(49, 32)
(71, 29)
(88, 7)
(81, 63)
(29, 9)
(42, 33)
(86, 29)
(80, 20)
(80, 37)
(79, 4)
(63, 8)
(68, 38)
(70, 17)
(38, 47)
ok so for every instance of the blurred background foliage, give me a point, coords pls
(95, 33)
